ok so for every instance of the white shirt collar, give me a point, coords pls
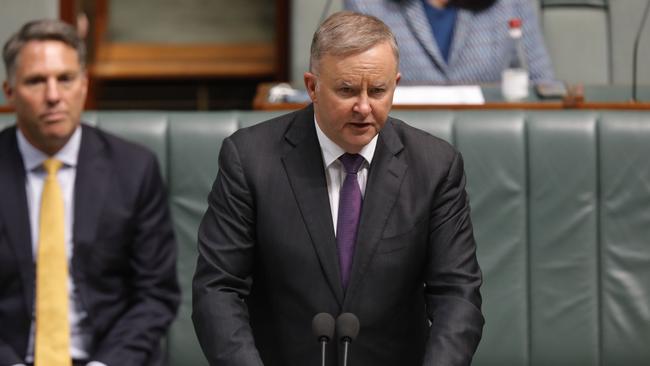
(331, 151)
(33, 157)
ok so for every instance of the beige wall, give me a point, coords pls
(16, 12)
(304, 21)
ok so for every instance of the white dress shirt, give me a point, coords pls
(335, 172)
(80, 336)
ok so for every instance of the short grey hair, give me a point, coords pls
(348, 33)
(41, 30)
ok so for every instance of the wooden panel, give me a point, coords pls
(68, 11)
(133, 60)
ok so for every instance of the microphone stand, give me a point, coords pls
(636, 50)
(323, 344)
(346, 344)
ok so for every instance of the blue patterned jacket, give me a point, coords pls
(479, 48)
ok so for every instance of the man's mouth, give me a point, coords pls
(53, 116)
(360, 124)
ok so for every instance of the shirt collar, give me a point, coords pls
(331, 151)
(33, 157)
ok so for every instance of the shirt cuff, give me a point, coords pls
(95, 363)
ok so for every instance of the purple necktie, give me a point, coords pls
(349, 212)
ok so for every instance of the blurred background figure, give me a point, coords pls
(87, 249)
(459, 41)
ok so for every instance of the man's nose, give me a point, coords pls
(363, 105)
(52, 92)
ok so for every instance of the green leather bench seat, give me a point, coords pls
(561, 210)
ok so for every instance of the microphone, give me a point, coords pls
(636, 50)
(323, 327)
(347, 328)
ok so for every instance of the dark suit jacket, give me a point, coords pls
(124, 255)
(267, 253)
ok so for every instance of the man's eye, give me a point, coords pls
(34, 81)
(377, 91)
(66, 78)
(345, 90)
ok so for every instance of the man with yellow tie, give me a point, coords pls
(87, 251)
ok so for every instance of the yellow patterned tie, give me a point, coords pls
(52, 345)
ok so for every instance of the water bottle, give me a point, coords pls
(514, 78)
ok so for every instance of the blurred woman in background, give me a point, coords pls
(459, 41)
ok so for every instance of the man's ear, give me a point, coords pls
(398, 78)
(9, 92)
(84, 83)
(310, 85)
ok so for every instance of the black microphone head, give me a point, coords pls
(347, 327)
(323, 326)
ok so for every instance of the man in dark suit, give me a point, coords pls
(294, 228)
(105, 226)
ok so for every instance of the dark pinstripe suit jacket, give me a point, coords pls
(268, 263)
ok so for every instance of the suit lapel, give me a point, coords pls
(91, 183)
(461, 32)
(13, 210)
(384, 180)
(417, 21)
(304, 166)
